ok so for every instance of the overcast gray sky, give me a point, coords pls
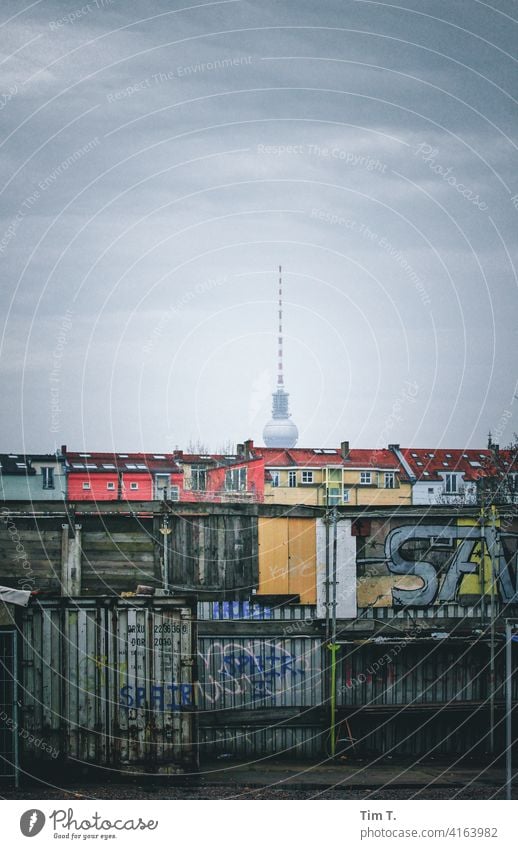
(161, 159)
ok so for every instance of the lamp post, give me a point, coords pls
(165, 530)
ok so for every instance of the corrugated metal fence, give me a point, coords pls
(413, 695)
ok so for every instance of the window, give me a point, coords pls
(199, 478)
(333, 496)
(133, 485)
(86, 485)
(110, 485)
(365, 478)
(235, 480)
(451, 484)
(430, 490)
(346, 495)
(175, 493)
(276, 478)
(48, 477)
(390, 480)
(307, 477)
(292, 478)
(161, 486)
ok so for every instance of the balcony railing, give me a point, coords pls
(223, 496)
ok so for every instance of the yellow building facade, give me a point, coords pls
(337, 485)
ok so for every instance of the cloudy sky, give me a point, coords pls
(161, 159)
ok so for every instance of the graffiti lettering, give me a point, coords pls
(470, 557)
(245, 670)
(161, 697)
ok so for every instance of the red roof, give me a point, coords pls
(106, 461)
(362, 458)
(431, 464)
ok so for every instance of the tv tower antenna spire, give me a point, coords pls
(280, 375)
(281, 431)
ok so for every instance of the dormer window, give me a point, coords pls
(451, 484)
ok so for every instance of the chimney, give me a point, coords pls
(249, 448)
(63, 450)
(344, 450)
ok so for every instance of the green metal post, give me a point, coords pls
(333, 648)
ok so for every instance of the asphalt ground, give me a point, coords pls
(282, 780)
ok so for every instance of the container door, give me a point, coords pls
(155, 702)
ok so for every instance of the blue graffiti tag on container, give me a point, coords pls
(162, 697)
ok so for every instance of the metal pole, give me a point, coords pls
(326, 520)
(165, 530)
(333, 647)
(483, 546)
(492, 635)
(335, 552)
(15, 710)
(508, 709)
(166, 561)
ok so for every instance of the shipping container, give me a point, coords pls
(109, 683)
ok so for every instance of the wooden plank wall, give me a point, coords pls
(214, 553)
(30, 553)
(117, 555)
